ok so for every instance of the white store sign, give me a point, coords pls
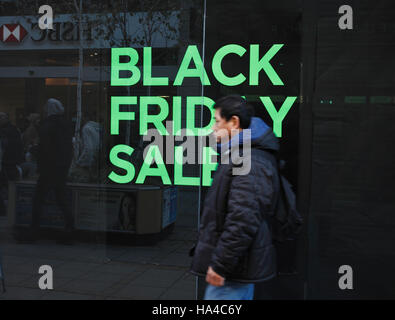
(23, 33)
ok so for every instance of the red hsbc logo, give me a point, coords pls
(12, 33)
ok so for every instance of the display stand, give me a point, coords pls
(129, 212)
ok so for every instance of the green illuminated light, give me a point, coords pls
(356, 99)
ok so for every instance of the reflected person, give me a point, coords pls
(53, 163)
(11, 147)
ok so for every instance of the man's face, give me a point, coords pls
(224, 130)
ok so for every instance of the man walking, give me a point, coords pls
(11, 148)
(53, 163)
(234, 248)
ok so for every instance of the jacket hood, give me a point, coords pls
(54, 108)
(260, 134)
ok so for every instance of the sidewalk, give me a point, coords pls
(99, 271)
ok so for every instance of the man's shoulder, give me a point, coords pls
(262, 159)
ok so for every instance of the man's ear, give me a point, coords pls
(235, 122)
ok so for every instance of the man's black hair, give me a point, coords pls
(234, 105)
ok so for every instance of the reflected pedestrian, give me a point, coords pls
(53, 163)
(30, 136)
(11, 156)
(86, 168)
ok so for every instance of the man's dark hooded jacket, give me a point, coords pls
(234, 233)
(12, 147)
(55, 147)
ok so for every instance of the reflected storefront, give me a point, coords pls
(135, 233)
